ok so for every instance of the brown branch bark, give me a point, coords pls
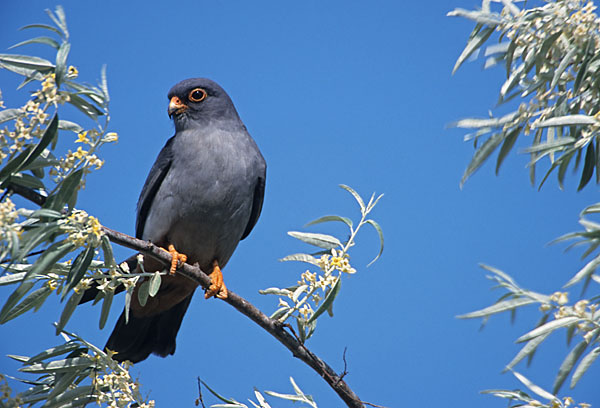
(273, 327)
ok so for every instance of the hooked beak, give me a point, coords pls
(176, 106)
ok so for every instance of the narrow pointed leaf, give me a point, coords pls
(43, 26)
(567, 365)
(58, 366)
(68, 310)
(34, 299)
(586, 271)
(473, 44)
(79, 267)
(38, 40)
(54, 351)
(328, 301)
(319, 240)
(61, 63)
(10, 114)
(106, 304)
(26, 61)
(154, 284)
(499, 307)
(301, 258)
(481, 156)
(588, 166)
(356, 196)
(528, 349)
(583, 366)
(536, 389)
(507, 145)
(380, 233)
(564, 63)
(328, 218)
(549, 327)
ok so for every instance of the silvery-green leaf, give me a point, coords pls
(26, 61)
(356, 196)
(499, 307)
(38, 40)
(473, 44)
(568, 364)
(213, 392)
(549, 327)
(584, 272)
(475, 123)
(34, 299)
(564, 63)
(43, 26)
(380, 234)
(529, 348)
(68, 125)
(507, 145)
(274, 291)
(548, 146)
(58, 366)
(329, 218)
(536, 389)
(298, 292)
(61, 62)
(67, 312)
(301, 258)
(12, 278)
(481, 156)
(279, 312)
(54, 351)
(583, 366)
(10, 114)
(567, 120)
(79, 267)
(318, 240)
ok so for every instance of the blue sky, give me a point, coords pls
(333, 92)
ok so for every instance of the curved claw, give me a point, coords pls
(176, 258)
(217, 286)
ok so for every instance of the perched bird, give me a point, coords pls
(203, 195)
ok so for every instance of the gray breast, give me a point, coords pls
(204, 203)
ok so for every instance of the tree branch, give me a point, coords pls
(273, 327)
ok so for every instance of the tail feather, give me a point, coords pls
(141, 336)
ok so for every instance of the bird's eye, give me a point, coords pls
(197, 95)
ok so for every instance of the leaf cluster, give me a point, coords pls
(551, 57)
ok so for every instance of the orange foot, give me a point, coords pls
(176, 258)
(217, 286)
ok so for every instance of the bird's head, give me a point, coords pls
(196, 101)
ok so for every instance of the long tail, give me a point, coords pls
(141, 336)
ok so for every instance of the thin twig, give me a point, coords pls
(273, 327)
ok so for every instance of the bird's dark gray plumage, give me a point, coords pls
(203, 195)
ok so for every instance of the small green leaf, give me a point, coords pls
(584, 272)
(26, 180)
(143, 292)
(213, 392)
(79, 267)
(328, 301)
(109, 258)
(380, 233)
(68, 188)
(567, 120)
(319, 240)
(68, 310)
(106, 304)
(329, 218)
(84, 106)
(564, 63)
(154, 284)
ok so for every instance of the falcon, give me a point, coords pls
(203, 196)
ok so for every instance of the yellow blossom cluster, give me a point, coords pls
(82, 228)
(118, 390)
(336, 261)
(49, 93)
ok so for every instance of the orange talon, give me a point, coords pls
(217, 286)
(176, 258)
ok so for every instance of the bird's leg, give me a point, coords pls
(176, 257)
(217, 286)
